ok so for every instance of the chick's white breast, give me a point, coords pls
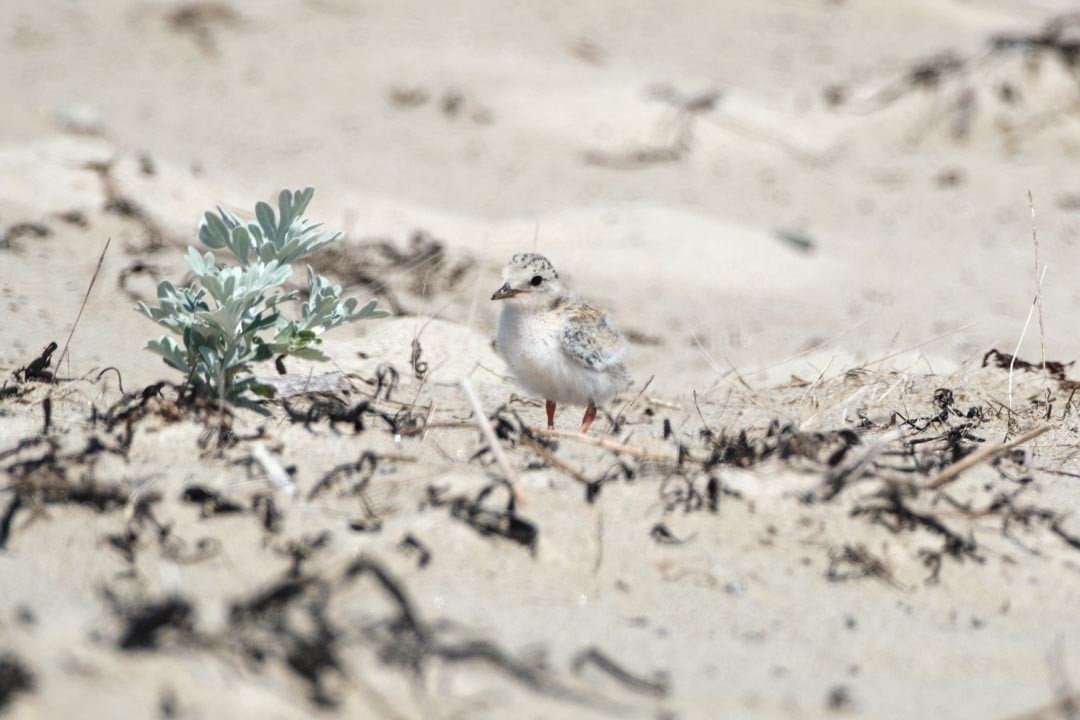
(531, 344)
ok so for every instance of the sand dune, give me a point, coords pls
(811, 221)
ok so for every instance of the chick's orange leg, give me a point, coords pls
(590, 415)
(551, 414)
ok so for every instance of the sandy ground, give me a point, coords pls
(811, 220)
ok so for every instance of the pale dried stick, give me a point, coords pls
(488, 433)
(1023, 333)
(618, 447)
(805, 424)
(981, 455)
(274, 472)
(551, 459)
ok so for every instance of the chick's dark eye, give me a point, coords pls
(536, 280)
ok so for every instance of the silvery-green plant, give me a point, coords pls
(232, 315)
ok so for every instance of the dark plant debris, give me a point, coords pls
(37, 369)
(202, 21)
(412, 545)
(266, 510)
(390, 272)
(15, 678)
(210, 502)
(40, 473)
(288, 622)
(10, 237)
(659, 685)
(1054, 369)
(146, 623)
(854, 562)
(420, 367)
(300, 550)
(314, 408)
(958, 76)
(663, 535)
(504, 523)
(137, 268)
(119, 203)
(783, 442)
(890, 460)
(409, 642)
(190, 401)
(673, 149)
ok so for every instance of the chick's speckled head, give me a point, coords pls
(529, 277)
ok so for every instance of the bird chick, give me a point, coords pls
(557, 346)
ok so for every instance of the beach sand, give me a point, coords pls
(812, 222)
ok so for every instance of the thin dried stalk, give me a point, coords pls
(618, 447)
(980, 456)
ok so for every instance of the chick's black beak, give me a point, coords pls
(505, 292)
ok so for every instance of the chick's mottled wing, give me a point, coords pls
(590, 338)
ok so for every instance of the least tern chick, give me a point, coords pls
(558, 347)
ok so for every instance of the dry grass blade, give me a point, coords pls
(89, 289)
(489, 433)
(1023, 333)
(619, 416)
(1038, 291)
(551, 459)
(980, 456)
(844, 401)
(792, 358)
(700, 415)
(1036, 303)
(924, 343)
(618, 447)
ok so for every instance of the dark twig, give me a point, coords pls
(659, 686)
(8, 518)
(119, 378)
